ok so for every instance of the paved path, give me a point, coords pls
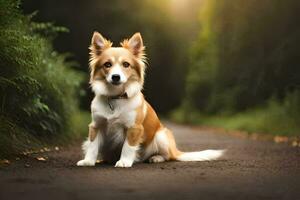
(249, 170)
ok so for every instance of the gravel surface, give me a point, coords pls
(250, 169)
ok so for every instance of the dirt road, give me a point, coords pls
(249, 170)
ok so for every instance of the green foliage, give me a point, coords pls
(276, 117)
(245, 55)
(37, 86)
(200, 78)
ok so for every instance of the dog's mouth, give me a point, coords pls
(116, 83)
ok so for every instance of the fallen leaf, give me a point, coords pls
(41, 159)
(17, 158)
(56, 148)
(98, 161)
(27, 165)
(5, 162)
(46, 149)
(280, 139)
(294, 143)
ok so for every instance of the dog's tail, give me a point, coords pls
(178, 155)
(205, 155)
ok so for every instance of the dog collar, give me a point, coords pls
(120, 96)
(110, 98)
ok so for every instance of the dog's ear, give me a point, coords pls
(135, 45)
(98, 44)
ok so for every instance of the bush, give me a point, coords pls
(37, 86)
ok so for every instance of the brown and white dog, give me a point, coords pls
(125, 128)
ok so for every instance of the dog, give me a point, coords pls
(125, 128)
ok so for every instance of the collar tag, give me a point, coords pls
(111, 98)
(110, 105)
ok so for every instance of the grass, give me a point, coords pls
(275, 118)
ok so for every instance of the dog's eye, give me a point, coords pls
(126, 64)
(107, 64)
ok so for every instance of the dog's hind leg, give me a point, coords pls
(160, 147)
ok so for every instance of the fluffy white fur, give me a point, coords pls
(122, 117)
(159, 146)
(128, 155)
(91, 150)
(205, 155)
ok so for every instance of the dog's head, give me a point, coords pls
(117, 70)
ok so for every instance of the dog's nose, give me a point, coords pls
(115, 78)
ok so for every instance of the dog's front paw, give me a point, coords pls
(85, 163)
(123, 163)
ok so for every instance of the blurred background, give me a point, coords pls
(167, 27)
(230, 64)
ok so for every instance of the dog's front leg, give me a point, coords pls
(91, 147)
(131, 145)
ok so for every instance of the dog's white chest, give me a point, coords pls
(116, 121)
(123, 112)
